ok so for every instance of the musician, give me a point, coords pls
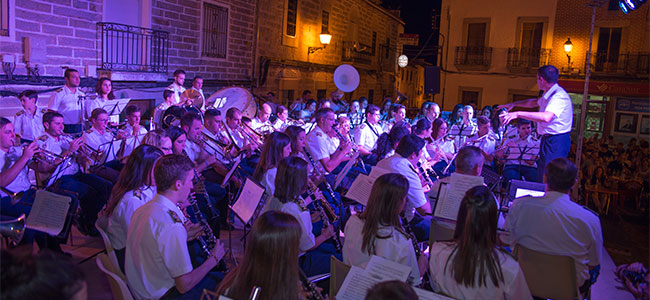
(469, 161)
(233, 124)
(385, 109)
(397, 114)
(261, 122)
(277, 146)
(307, 113)
(355, 114)
(213, 128)
(29, 121)
(484, 139)
(298, 138)
(520, 154)
(270, 260)
(404, 162)
(177, 86)
(456, 115)
(283, 115)
(336, 103)
(104, 91)
(322, 143)
(157, 260)
(168, 102)
(387, 143)
(472, 266)
(465, 128)
(554, 119)
(99, 140)
(92, 190)
(364, 104)
(290, 183)
(134, 187)
(367, 133)
(133, 132)
(66, 101)
(423, 130)
(300, 104)
(379, 231)
(441, 147)
(159, 139)
(197, 89)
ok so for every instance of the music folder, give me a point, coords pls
(48, 213)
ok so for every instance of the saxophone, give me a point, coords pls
(208, 240)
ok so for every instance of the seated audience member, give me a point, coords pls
(46, 275)
(157, 261)
(393, 290)
(554, 224)
(404, 162)
(290, 183)
(270, 260)
(472, 266)
(378, 230)
(134, 187)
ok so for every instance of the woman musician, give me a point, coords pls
(441, 147)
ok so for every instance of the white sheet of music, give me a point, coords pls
(362, 186)
(448, 204)
(48, 212)
(248, 199)
(358, 281)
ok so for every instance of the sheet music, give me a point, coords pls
(249, 197)
(447, 206)
(115, 106)
(235, 164)
(362, 186)
(48, 212)
(428, 295)
(358, 281)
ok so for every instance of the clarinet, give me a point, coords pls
(310, 287)
(319, 204)
(354, 149)
(208, 240)
(411, 236)
(320, 173)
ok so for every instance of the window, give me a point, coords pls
(4, 17)
(609, 45)
(387, 48)
(287, 97)
(476, 34)
(292, 16)
(470, 96)
(215, 31)
(326, 22)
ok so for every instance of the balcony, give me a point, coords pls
(473, 58)
(527, 60)
(624, 65)
(132, 49)
(356, 53)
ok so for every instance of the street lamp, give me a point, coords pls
(568, 46)
(325, 39)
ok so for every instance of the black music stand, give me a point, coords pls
(247, 204)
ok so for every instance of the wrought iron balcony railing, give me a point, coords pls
(131, 48)
(624, 64)
(527, 60)
(478, 57)
(357, 53)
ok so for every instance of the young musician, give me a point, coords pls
(298, 138)
(98, 141)
(484, 139)
(300, 104)
(472, 266)
(133, 132)
(290, 183)
(66, 102)
(397, 114)
(404, 162)
(520, 154)
(104, 90)
(134, 187)
(277, 146)
(387, 143)
(168, 102)
(465, 128)
(29, 121)
(177, 87)
(157, 260)
(92, 190)
(270, 260)
(283, 115)
(159, 139)
(378, 229)
(368, 132)
(355, 114)
(441, 147)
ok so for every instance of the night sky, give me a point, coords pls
(417, 15)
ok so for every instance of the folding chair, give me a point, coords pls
(438, 232)
(118, 285)
(338, 271)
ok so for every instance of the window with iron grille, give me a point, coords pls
(215, 31)
(4, 17)
(292, 16)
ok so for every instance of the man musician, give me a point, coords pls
(29, 121)
(369, 131)
(520, 154)
(177, 86)
(67, 101)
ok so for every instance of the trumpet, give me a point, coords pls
(15, 196)
(13, 230)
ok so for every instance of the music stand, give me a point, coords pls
(247, 203)
(116, 106)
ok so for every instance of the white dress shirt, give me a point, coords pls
(307, 239)
(178, 90)
(557, 101)
(7, 159)
(158, 113)
(156, 248)
(66, 103)
(555, 225)
(442, 279)
(320, 144)
(27, 125)
(118, 222)
(415, 197)
(58, 146)
(132, 141)
(393, 245)
(366, 135)
(101, 142)
(192, 150)
(268, 182)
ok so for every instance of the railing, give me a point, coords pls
(479, 57)
(626, 64)
(527, 60)
(131, 48)
(353, 52)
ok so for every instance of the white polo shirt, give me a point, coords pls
(156, 248)
(557, 101)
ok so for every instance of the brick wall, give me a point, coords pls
(62, 33)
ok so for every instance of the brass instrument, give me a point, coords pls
(251, 135)
(13, 230)
(115, 129)
(214, 144)
(15, 196)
